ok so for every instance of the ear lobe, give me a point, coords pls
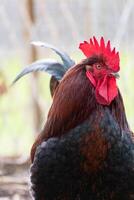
(53, 85)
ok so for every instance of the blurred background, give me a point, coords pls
(24, 106)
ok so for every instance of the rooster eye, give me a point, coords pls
(98, 66)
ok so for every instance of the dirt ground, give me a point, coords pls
(14, 179)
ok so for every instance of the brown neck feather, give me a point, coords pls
(73, 103)
(118, 111)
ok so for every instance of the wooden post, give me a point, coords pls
(32, 56)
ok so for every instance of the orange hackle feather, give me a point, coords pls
(93, 47)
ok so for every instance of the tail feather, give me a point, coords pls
(67, 61)
(52, 67)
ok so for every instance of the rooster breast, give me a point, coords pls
(93, 161)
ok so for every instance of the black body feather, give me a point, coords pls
(58, 171)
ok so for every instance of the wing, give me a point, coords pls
(55, 172)
(92, 161)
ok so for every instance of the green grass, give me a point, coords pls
(16, 122)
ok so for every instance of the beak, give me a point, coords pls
(116, 75)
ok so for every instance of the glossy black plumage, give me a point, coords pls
(58, 171)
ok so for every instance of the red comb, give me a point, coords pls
(94, 48)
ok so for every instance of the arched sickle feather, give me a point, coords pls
(67, 61)
(52, 67)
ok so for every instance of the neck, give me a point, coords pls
(118, 111)
(73, 103)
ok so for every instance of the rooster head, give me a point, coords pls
(102, 65)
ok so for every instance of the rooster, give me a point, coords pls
(85, 150)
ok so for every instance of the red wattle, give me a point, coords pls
(106, 90)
